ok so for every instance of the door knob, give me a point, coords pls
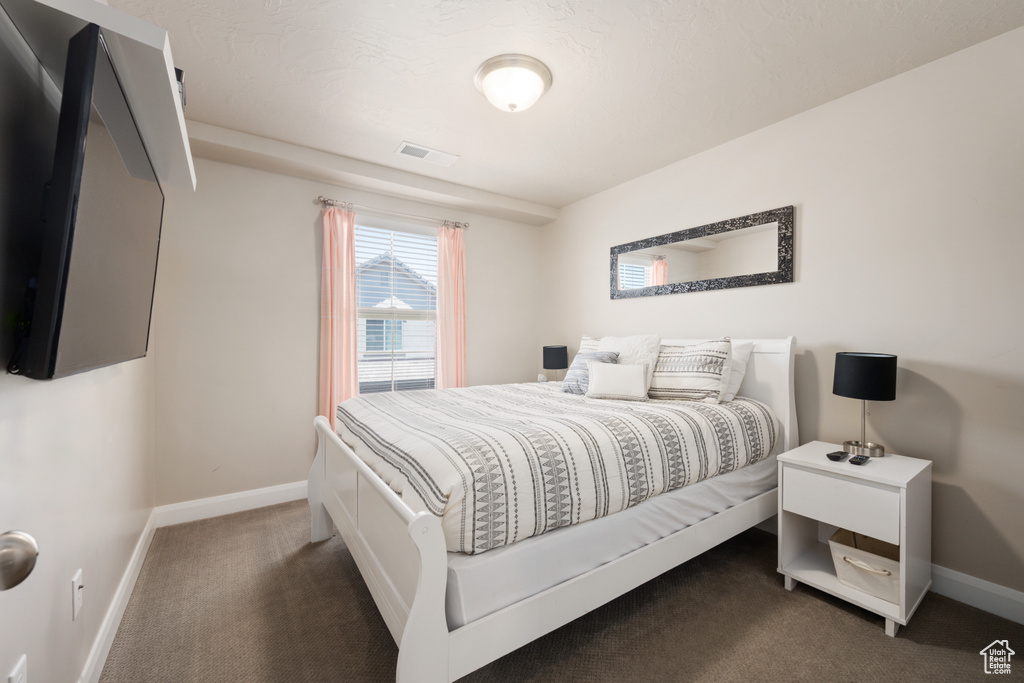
(18, 552)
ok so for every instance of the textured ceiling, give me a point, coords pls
(638, 84)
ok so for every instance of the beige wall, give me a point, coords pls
(237, 312)
(76, 454)
(909, 216)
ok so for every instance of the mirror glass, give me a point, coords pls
(739, 252)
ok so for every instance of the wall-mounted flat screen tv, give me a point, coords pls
(92, 298)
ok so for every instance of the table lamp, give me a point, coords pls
(869, 377)
(556, 358)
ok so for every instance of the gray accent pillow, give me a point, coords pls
(577, 379)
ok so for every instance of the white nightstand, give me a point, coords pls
(887, 498)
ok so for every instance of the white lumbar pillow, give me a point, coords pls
(638, 349)
(622, 382)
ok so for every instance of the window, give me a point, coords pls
(633, 276)
(396, 296)
(383, 335)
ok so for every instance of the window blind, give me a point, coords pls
(396, 298)
(633, 276)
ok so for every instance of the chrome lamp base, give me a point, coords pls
(864, 447)
(872, 450)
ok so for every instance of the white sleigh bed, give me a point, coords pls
(403, 557)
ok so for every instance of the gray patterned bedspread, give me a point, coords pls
(502, 463)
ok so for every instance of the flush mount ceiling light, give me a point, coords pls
(513, 82)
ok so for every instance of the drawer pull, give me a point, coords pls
(866, 567)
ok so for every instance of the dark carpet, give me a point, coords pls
(246, 597)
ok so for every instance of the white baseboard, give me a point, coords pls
(985, 595)
(204, 508)
(112, 619)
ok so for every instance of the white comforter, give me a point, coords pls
(502, 463)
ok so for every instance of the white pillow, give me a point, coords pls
(622, 382)
(639, 349)
(740, 356)
(698, 372)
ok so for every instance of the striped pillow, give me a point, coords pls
(699, 372)
(577, 379)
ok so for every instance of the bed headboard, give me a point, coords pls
(769, 379)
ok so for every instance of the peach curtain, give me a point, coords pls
(451, 309)
(659, 272)
(339, 378)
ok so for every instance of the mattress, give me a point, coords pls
(481, 584)
(500, 464)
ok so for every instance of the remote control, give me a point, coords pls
(858, 459)
(836, 456)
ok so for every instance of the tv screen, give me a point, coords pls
(101, 233)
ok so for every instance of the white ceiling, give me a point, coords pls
(638, 84)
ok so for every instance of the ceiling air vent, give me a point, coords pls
(434, 156)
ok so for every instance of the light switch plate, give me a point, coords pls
(19, 674)
(77, 588)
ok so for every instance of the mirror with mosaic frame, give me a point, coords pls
(756, 249)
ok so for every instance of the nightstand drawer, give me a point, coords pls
(846, 503)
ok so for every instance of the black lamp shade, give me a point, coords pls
(867, 376)
(556, 358)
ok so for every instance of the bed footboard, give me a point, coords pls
(321, 526)
(400, 553)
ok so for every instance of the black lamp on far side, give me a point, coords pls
(556, 358)
(869, 377)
